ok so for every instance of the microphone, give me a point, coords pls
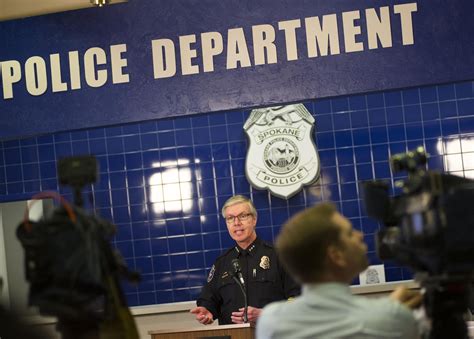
(238, 271)
(238, 277)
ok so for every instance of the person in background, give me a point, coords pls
(319, 247)
(265, 280)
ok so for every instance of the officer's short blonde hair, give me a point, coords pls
(238, 199)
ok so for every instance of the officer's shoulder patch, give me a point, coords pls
(211, 273)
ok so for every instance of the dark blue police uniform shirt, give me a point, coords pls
(265, 281)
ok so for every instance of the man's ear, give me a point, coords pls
(335, 256)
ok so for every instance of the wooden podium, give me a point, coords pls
(237, 331)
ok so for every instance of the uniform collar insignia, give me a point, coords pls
(249, 249)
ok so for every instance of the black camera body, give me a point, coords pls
(430, 228)
(73, 271)
(64, 264)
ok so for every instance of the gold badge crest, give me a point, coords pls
(265, 262)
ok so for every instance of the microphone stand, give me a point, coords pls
(246, 320)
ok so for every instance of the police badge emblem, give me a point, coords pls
(372, 276)
(265, 262)
(282, 156)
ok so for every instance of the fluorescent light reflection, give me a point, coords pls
(458, 155)
(171, 188)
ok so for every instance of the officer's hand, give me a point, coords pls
(203, 315)
(252, 314)
(409, 298)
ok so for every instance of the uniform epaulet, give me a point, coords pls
(267, 244)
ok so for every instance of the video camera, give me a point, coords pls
(72, 269)
(430, 228)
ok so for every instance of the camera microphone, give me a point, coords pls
(238, 271)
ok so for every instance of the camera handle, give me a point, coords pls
(77, 192)
(48, 194)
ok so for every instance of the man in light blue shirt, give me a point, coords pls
(319, 247)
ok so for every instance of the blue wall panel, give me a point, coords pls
(163, 182)
(430, 43)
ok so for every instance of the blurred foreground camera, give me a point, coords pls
(410, 161)
(430, 228)
(73, 272)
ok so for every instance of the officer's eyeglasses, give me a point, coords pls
(242, 217)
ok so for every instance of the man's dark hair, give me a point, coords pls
(304, 239)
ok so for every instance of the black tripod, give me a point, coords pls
(446, 301)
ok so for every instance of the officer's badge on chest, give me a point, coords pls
(265, 262)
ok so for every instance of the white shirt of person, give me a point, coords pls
(330, 310)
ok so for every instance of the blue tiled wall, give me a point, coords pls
(163, 182)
